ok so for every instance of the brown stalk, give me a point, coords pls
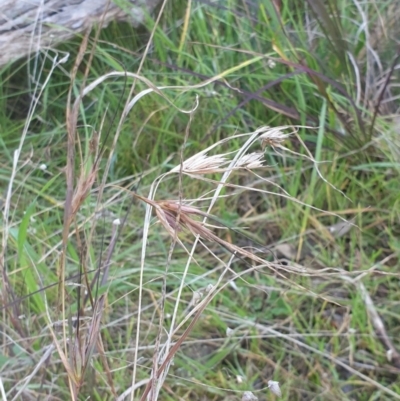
(176, 217)
(174, 349)
(379, 326)
(8, 293)
(83, 346)
(71, 120)
(153, 393)
(383, 90)
(81, 351)
(167, 213)
(100, 349)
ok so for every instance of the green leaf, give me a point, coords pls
(23, 228)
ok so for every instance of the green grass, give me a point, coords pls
(308, 325)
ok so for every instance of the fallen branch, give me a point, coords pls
(29, 26)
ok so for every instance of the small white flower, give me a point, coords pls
(274, 387)
(197, 296)
(211, 93)
(271, 64)
(229, 332)
(43, 167)
(209, 288)
(239, 379)
(249, 396)
(32, 230)
(116, 222)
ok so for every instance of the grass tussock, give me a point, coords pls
(205, 208)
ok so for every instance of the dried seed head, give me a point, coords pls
(176, 207)
(201, 164)
(274, 387)
(273, 137)
(175, 217)
(249, 396)
(251, 161)
(168, 220)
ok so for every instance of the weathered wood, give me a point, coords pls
(27, 26)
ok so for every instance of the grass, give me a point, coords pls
(281, 288)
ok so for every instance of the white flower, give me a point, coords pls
(229, 332)
(197, 296)
(116, 222)
(249, 396)
(274, 387)
(42, 167)
(209, 288)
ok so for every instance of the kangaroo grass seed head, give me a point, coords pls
(175, 207)
(201, 164)
(251, 161)
(175, 217)
(273, 137)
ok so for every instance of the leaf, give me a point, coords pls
(23, 228)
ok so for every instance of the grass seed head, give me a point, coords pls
(201, 164)
(175, 217)
(251, 161)
(273, 137)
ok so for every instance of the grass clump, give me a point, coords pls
(205, 208)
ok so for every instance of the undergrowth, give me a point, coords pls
(214, 216)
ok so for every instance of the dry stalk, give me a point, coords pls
(81, 345)
(392, 354)
(177, 217)
(167, 213)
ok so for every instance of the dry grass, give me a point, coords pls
(147, 266)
